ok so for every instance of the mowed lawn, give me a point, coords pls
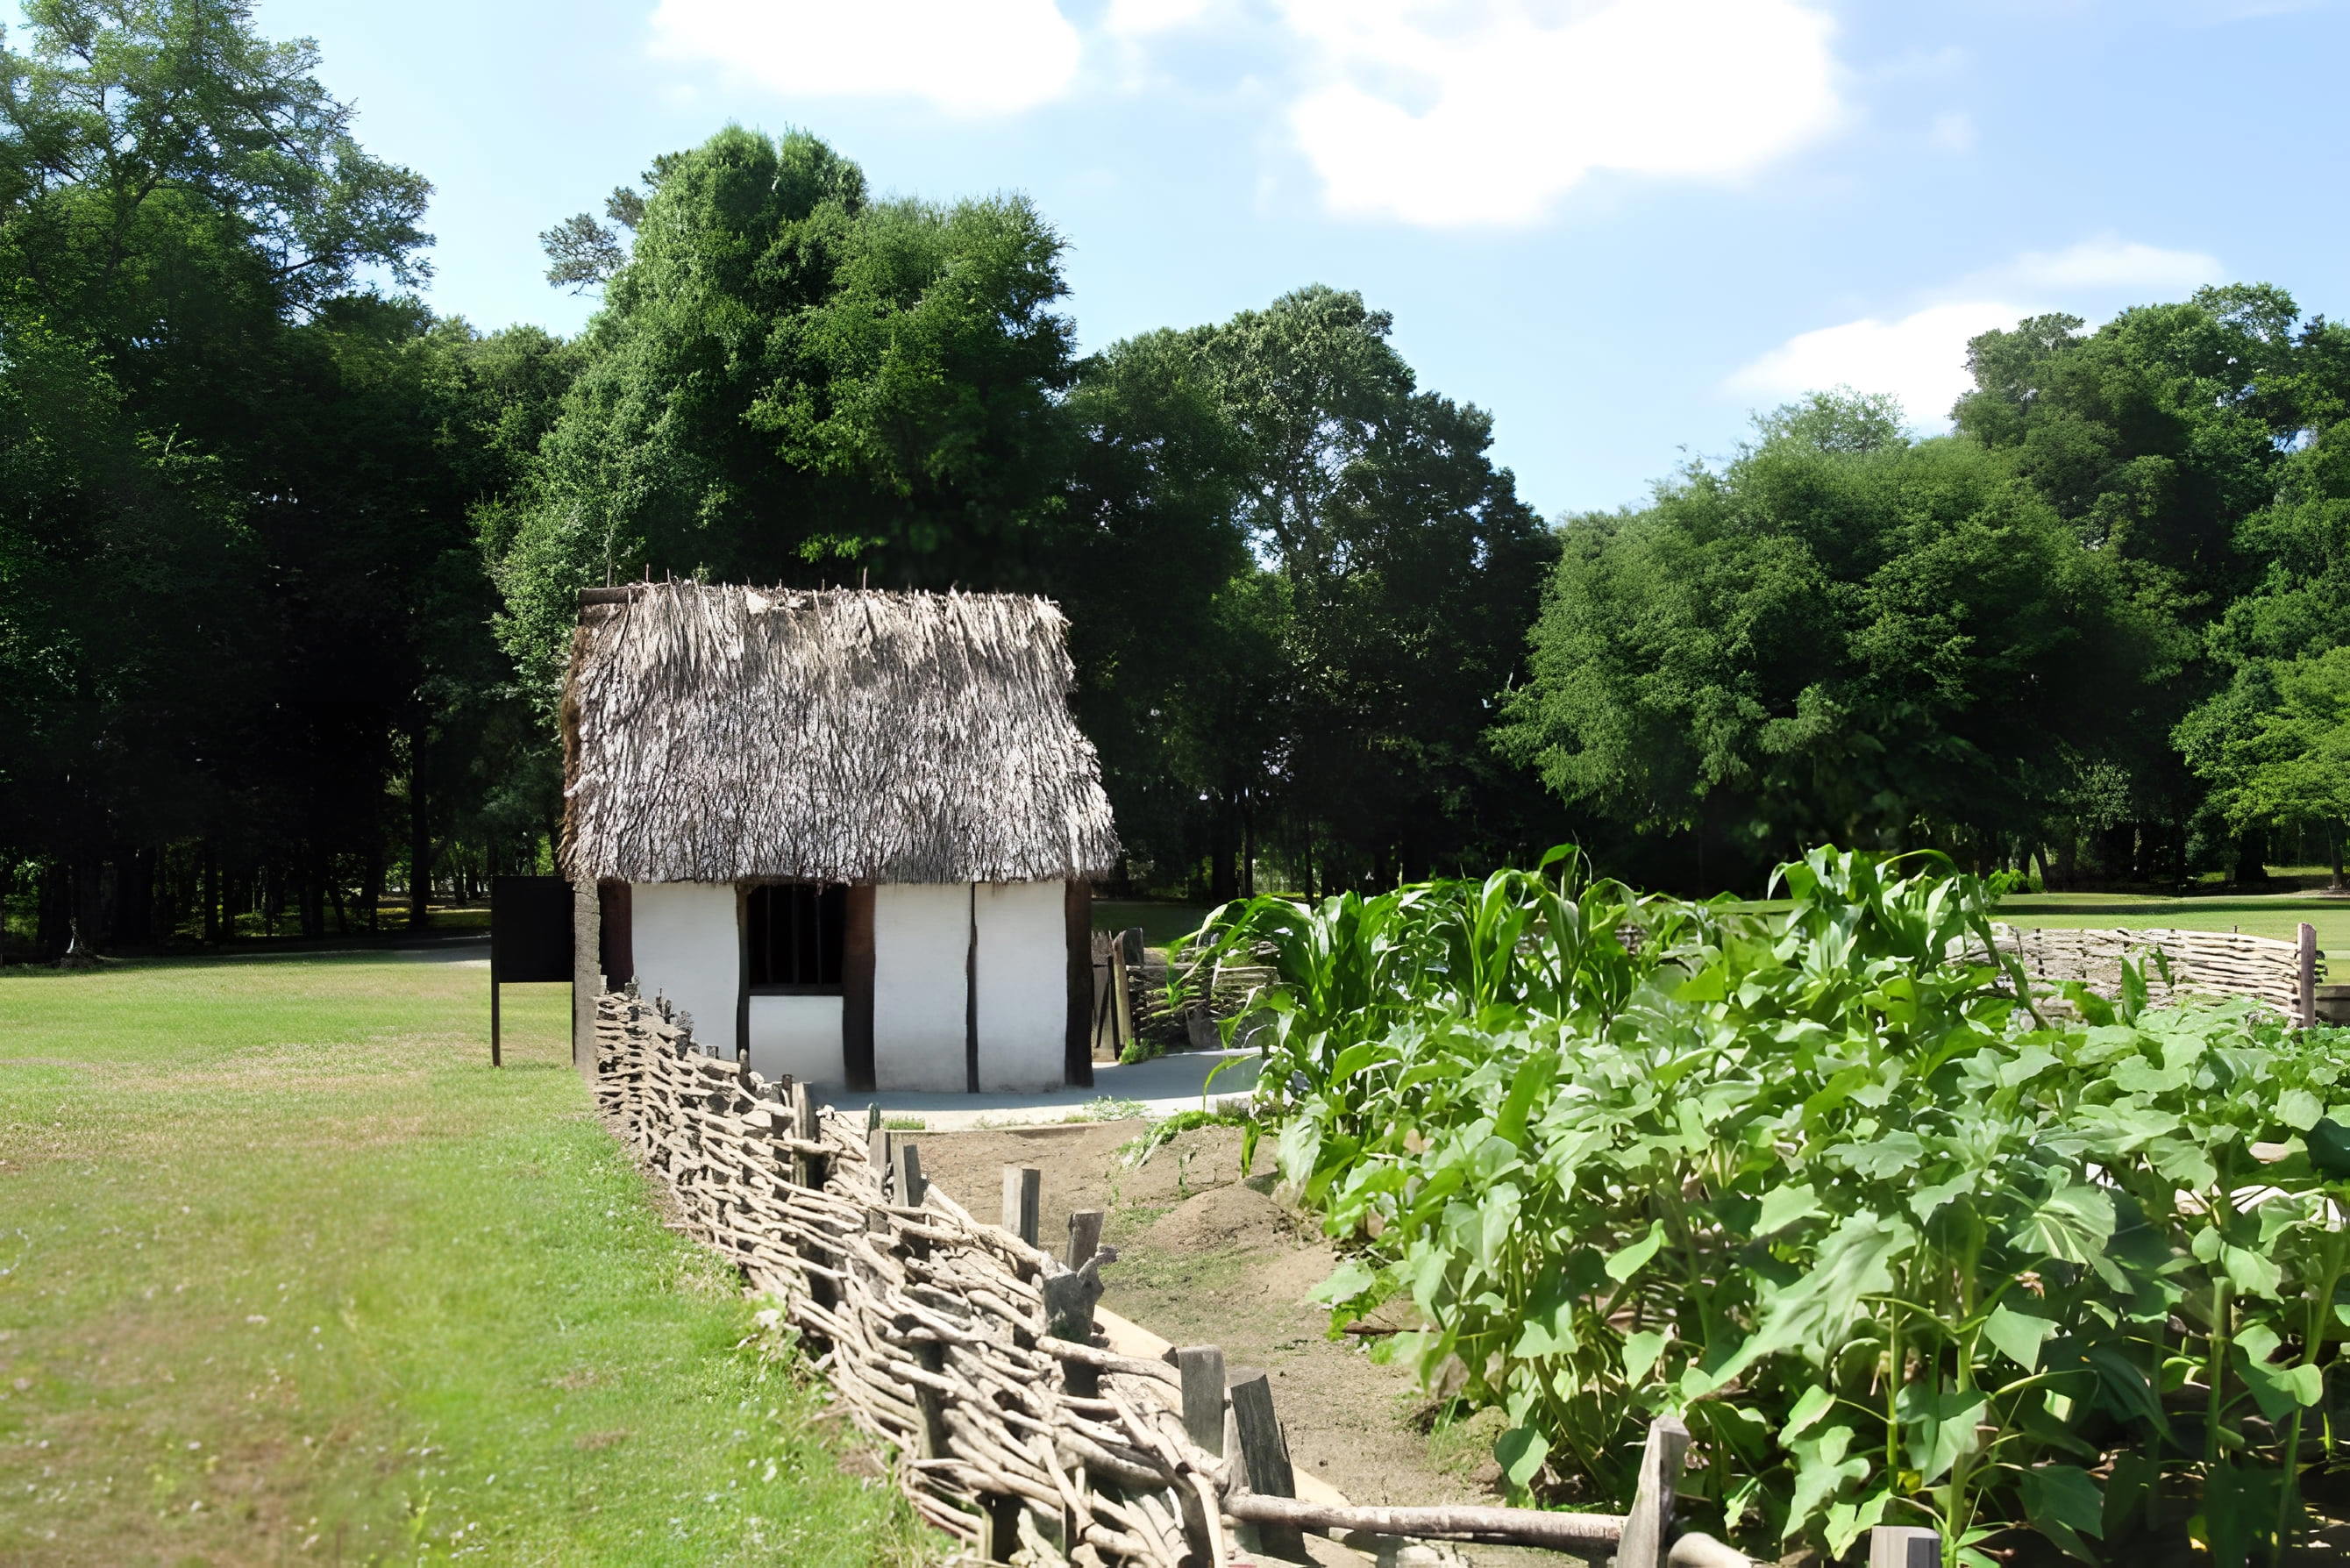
(289, 1274)
(2276, 915)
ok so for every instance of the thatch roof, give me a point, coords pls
(722, 734)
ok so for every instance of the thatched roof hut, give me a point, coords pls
(859, 823)
(720, 734)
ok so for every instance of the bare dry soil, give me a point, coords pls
(1208, 1256)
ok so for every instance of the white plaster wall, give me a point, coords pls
(1023, 985)
(799, 1036)
(686, 950)
(921, 933)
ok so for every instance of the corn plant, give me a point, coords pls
(1899, 1243)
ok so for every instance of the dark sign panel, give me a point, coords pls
(530, 929)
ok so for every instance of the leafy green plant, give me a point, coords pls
(1898, 1242)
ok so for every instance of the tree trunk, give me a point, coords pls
(420, 838)
(1221, 883)
(2252, 859)
(2334, 854)
(1248, 846)
(53, 909)
(208, 922)
(312, 888)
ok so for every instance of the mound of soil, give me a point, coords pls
(1222, 1217)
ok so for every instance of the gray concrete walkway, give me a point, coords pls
(1161, 1088)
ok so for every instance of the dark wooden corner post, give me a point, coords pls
(1077, 1050)
(857, 990)
(2305, 975)
(743, 971)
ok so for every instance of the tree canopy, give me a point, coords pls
(1841, 634)
(292, 559)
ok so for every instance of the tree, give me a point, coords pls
(1840, 635)
(2157, 437)
(792, 382)
(2281, 753)
(1337, 720)
(2259, 740)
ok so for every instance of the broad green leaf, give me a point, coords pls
(1938, 1426)
(2072, 1223)
(1888, 1154)
(1822, 1471)
(1520, 1451)
(1783, 1206)
(1850, 1266)
(1813, 1403)
(1640, 1353)
(1623, 1264)
(2064, 1503)
(1848, 1521)
(2299, 1109)
(1536, 1070)
(2028, 1063)
(1347, 1281)
(2124, 1386)
(1297, 1148)
(2277, 1390)
(2251, 1273)
(2329, 1148)
(2017, 1336)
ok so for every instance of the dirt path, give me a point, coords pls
(1208, 1258)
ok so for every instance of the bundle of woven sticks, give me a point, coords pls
(970, 1352)
(2207, 963)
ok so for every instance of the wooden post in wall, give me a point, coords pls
(2307, 977)
(1648, 1528)
(1264, 1462)
(1077, 941)
(1023, 1200)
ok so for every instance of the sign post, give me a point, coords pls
(530, 938)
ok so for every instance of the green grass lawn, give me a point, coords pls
(288, 1275)
(2255, 914)
(1161, 922)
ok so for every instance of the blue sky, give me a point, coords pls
(1621, 227)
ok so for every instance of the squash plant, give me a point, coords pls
(1899, 1242)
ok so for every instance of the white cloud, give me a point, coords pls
(2110, 263)
(965, 56)
(1137, 19)
(1484, 112)
(1921, 358)
(1953, 132)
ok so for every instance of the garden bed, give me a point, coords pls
(1205, 1257)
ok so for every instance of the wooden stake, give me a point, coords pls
(932, 1357)
(2308, 976)
(1904, 1546)
(911, 1185)
(1023, 1200)
(1648, 1528)
(1265, 1460)
(999, 1529)
(1085, 1236)
(1202, 1366)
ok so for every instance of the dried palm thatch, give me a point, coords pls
(722, 734)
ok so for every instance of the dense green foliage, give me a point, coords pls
(238, 590)
(1297, 583)
(1840, 633)
(2048, 636)
(1898, 1247)
(285, 592)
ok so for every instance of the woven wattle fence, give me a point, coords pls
(977, 1356)
(2276, 975)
